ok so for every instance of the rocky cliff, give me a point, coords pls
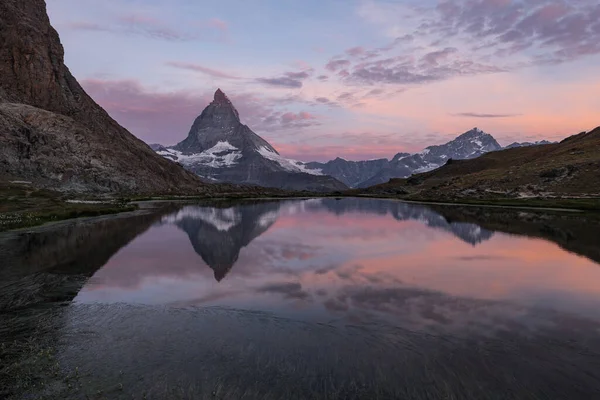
(52, 133)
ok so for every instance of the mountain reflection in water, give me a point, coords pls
(356, 259)
(218, 234)
(321, 298)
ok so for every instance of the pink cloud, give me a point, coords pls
(290, 116)
(86, 26)
(303, 65)
(155, 28)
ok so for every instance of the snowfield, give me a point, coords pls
(222, 219)
(288, 164)
(212, 157)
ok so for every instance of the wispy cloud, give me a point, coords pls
(283, 81)
(290, 80)
(436, 43)
(480, 115)
(154, 28)
(202, 69)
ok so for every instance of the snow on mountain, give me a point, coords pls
(527, 144)
(287, 163)
(221, 219)
(470, 144)
(220, 155)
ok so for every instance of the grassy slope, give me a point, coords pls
(23, 206)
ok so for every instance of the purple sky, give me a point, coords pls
(352, 78)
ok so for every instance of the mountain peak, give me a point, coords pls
(473, 133)
(221, 97)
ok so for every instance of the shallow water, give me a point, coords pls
(322, 298)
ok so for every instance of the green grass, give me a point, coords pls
(22, 206)
(16, 220)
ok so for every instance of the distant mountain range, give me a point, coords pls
(362, 174)
(527, 144)
(219, 148)
(570, 168)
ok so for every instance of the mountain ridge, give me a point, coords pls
(470, 144)
(570, 168)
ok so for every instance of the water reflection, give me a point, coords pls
(351, 298)
(348, 260)
(218, 234)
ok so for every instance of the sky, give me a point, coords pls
(358, 79)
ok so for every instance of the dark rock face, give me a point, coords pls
(220, 122)
(350, 173)
(52, 132)
(220, 148)
(399, 156)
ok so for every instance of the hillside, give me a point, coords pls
(570, 168)
(52, 133)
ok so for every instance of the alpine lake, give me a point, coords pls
(347, 298)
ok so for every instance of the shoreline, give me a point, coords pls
(73, 211)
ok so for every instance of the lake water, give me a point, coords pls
(319, 298)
